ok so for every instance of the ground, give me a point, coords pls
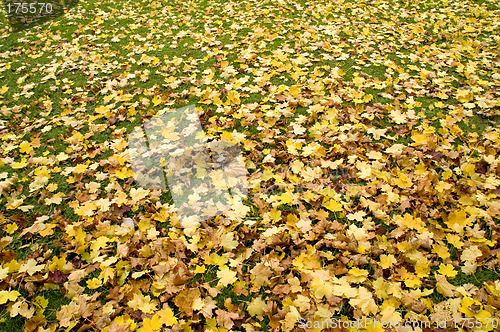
(370, 131)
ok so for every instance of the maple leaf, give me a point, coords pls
(167, 317)
(447, 270)
(6, 296)
(31, 267)
(124, 173)
(151, 324)
(358, 215)
(228, 242)
(225, 318)
(11, 228)
(22, 308)
(256, 307)
(18, 165)
(471, 254)
(4, 272)
(403, 181)
(56, 277)
(333, 206)
(457, 220)
(364, 301)
(321, 288)
(186, 299)
(357, 275)
(94, 283)
(225, 276)
(444, 287)
(386, 261)
(25, 147)
(305, 225)
(143, 303)
(389, 314)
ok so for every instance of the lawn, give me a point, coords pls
(370, 133)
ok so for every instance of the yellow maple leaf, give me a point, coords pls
(104, 110)
(275, 215)
(285, 198)
(418, 139)
(454, 240)
(150, 324)
(457, 220)
(138, 193)
(422, 268)
(403, 181)
(333, 206)
(464, 96)
(294, 90)
(80, 168)
(215, 259)
(468, 168)
(321, 288)
(99, 243)
(409, 221)
(233, 97)
(444, 287)
(6, 296)
(413, 282)
(156, 100)
(13, 265)
(441, 250)
(11, 228)
(386, 261)
(357, 275)
(94, 283)
(4, 272)
(31, 267)
(143, 303)
(41, 302)
(228, 242)
(389, 314)
(471, 254)
(3, 89)
(442, 186)
(57, 263)
(13, 203)
(256, 307)
(48, 230)
(18, 165)
(200, 269)
(25, 147)
(447, 270)
(364, 301)
(226, 277)
(124, 173)
(124, 97)
(167, 317)
(86, 210)
(226, 136)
